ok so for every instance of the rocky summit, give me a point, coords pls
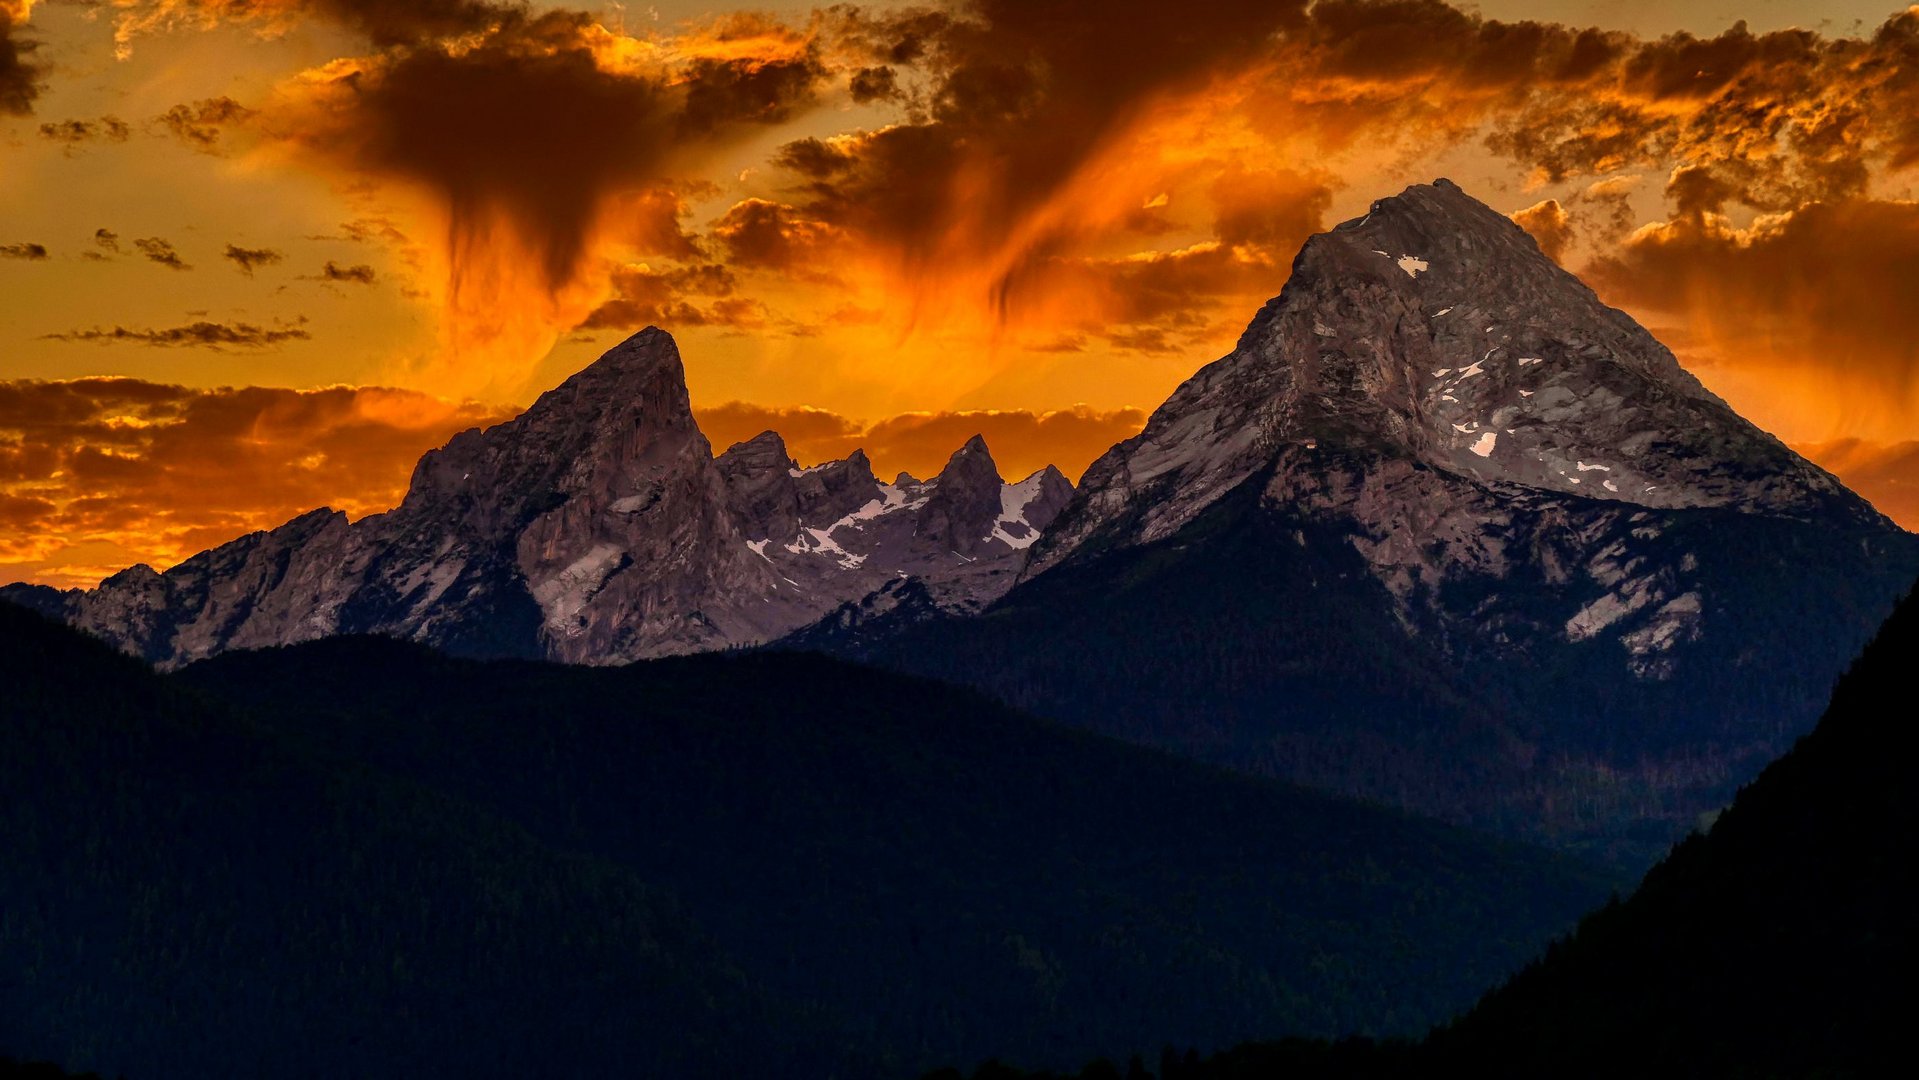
(596, 527)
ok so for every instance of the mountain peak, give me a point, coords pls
(965, 500)
(1432, 332)
(767, 442)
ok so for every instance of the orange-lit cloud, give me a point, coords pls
(140, 471)
(1809, 311)
(530, 146)
(1550, 225)
(1022, 441)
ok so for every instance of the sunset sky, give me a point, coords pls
(257, 255)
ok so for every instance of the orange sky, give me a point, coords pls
(311, 238)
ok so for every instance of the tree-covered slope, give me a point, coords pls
(948, 878)
(184, 894)
(1778, 944)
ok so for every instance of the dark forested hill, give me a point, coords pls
(183, 894)
(1779, 944)
(947, 878)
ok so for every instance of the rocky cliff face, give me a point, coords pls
(596, 527)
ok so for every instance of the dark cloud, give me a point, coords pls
(20, 77)
(874, 84)
(768, 235)
(200, 124)
(526, 132)
(202, 334)
(1822, 288)
(1013, 96)
(700, 295)
(357, 274)
(1550, 225)
(1022, 441)
(251, 259)
(23, 251)
(107, 240)
(162, 471)
(160, 251)
(1772, 121)
(75, 133)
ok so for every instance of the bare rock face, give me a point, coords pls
(596, 527)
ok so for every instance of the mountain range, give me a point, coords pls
(1443, 531)
(597, 527)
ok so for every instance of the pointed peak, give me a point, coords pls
(642, 372)
(972, 461)
(650, 348)
(763, 454)
(765, 444)
(1050, 479)
(906, 479)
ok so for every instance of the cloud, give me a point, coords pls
(675, 298)
(539, 141)
(251, 259)
(23, 251)
(99, 473)
(767, 235)
(203, 334)
(357, 274)
(1809, 309)
(160, 251)
(75, 133)
(20, 76)
(1022, 441)
(1550, 225)
(107, 240)
(199, 125)
(382, 22)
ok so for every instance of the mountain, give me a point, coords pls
(1444, 531)
(1776, 944)
(945, 877)
(188, 894)
(596, 527)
